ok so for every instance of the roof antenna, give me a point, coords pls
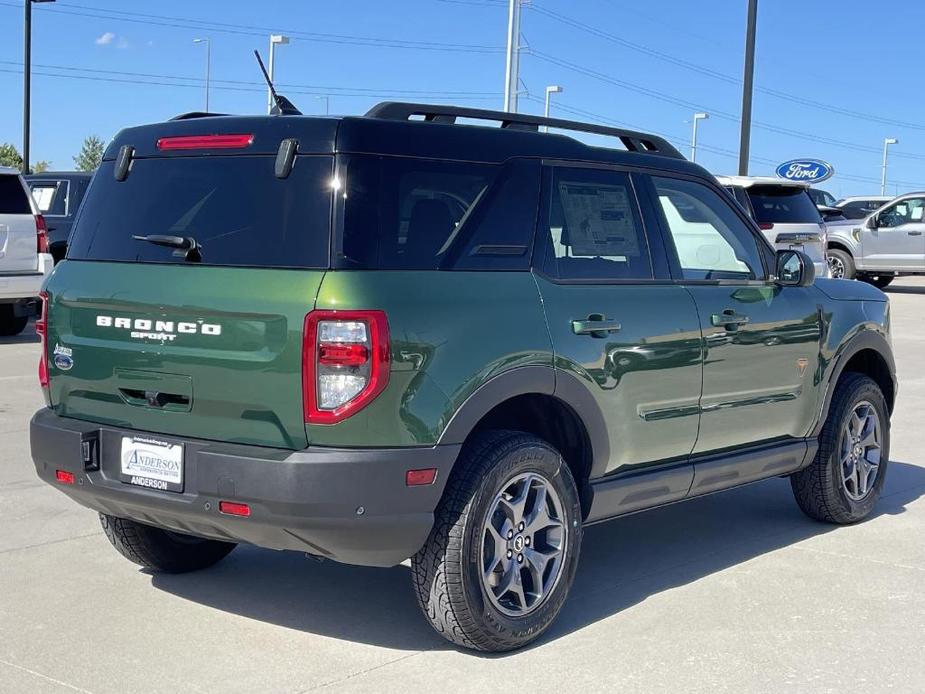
(282, 105)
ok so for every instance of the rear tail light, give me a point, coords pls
(345, 363)
(41, 328)
(765, 226)
(65, 477)
(232, 508)
(41, 234)
(232, 141)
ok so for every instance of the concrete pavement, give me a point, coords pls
(737, 592)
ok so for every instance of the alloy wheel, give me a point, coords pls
(523, 545)
(836, 267)
(859, 450)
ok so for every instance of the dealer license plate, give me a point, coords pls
(148, 462)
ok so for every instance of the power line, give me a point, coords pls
(251, 30)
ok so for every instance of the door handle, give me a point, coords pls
(595, 325)
(914, 233)
(728, 319)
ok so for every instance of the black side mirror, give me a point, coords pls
(871, 222)
(795, 269)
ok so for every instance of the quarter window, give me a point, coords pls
(710, 239)
(590, 227)
(909, 211)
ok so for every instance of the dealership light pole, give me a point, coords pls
(27, 81)
(747, 83)
(886, 143)
(697, 117)
(512, 63)
(327, 103)
(275, 40)
(208, 43)
(550, 90)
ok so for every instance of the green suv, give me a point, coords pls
(442, 334)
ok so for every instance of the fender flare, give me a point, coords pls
(866, 339)
(530, 380)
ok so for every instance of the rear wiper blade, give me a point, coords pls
(187, 247)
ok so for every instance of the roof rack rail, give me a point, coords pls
(197, 114)
(633, 141)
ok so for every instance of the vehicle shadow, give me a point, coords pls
(905, 289)
(623, 562)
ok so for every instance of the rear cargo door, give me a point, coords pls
(204, 344)
(18, 249)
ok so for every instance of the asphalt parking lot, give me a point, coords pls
(736, 592)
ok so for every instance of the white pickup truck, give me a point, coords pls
(24, 258)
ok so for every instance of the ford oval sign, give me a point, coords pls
(805, 170)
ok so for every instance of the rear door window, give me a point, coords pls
(234, 207)
(782, 205)
(51, 197)
(13, 197)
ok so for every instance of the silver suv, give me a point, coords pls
(784, 212)
(886, 244)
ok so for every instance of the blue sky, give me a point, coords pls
(833, 77)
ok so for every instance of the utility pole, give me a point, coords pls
(27, 82)
(747, 83)
(886, 143)
(512, 64)
(275, 40)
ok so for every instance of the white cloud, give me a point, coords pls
(105, 39)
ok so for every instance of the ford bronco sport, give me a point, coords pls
(411, 334)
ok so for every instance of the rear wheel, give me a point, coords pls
(10, 323)
(841, 264)
(162, 550)
(843, 482)
(502, 555)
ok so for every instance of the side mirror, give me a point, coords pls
(871, 222)
(794, 269)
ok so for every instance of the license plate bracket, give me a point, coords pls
(152, 463)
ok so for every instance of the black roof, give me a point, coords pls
(420, 130)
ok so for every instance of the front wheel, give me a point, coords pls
(841, 264)
(843, 482)
(502, 555)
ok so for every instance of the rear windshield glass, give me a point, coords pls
(235, 209)
(783, 205)
(13, 198)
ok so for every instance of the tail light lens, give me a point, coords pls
(41, 328)
(41, 234)
(765, 226)
(345, 363)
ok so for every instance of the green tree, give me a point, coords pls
(91, 153)
(10, 156)
(41, 166)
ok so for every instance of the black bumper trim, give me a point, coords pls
(350, 505)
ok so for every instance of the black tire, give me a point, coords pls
(819, 489)
(845, 260)
(162, 550)
(11, 324)
(446, 572)
(879, 281)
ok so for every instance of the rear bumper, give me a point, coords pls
(350, 505)
(28, 284)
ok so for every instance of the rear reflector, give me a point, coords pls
(233, 509)
(236, 141)
(65, 477)
(418, 478)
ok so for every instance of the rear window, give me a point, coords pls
(783, 205)
(50, 196)
(234, 207)
(13, 197)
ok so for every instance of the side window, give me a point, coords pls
(51, 197)
(907, 211)
(405, 214)
(711, 241)
(590, 227)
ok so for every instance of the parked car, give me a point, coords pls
(825, 203)
(784, 211)
(392, 336)
(860, 207)
(886, 244)
(24, 258)
(58, 195)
